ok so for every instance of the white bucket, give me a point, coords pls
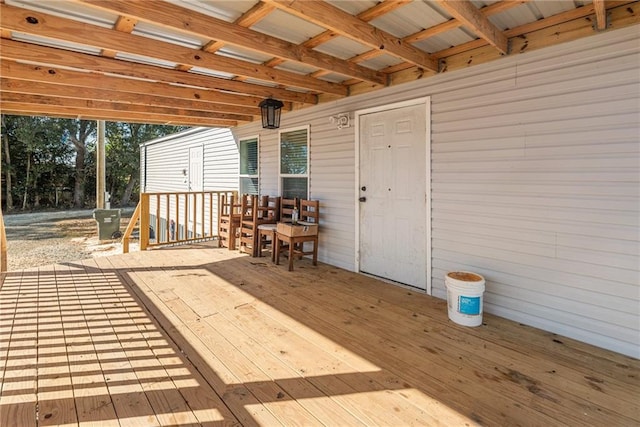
(464, 297)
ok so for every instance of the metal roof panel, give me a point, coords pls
(381, 62)
(409, 19)
(145, 60)
(44, 41)
(168, 35)
(295, 31)
(228, 10)
(342, 47)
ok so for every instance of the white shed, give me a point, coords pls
(198, 159)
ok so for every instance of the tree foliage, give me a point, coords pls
(123, 156)
(50, 162)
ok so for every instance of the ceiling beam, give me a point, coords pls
(521, 30)
(465, 12)
(78, 79)
(10, 49)
(601, 14)
(125, 25)
(380, 9)
(453, 23)
(45, 25)
(90, 104)
(144, 100)
(257, 13)
(108, 115)
(347, 25)
(175, 17)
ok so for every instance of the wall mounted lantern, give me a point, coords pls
(270, 110)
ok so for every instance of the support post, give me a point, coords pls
(144, 221)
(100, 166)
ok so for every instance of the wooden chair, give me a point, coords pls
(267, 232)
(228, 221)
(266, 210)
(295, 236)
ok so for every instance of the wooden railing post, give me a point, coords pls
(144, 221)
(127, 233)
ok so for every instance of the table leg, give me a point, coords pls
(291, 245)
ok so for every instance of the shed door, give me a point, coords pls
(393, 232)
(196, 183)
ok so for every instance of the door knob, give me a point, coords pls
(363, 188)
(363, 199)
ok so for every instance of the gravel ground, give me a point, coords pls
(43, 238)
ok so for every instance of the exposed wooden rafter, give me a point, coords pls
(109, 115)
(45, 25)
(175, 17)
(79, 80)
(31, 87)
(465, 12)
(59, 103)
(338, 21)
(21, 51)
(601, 14)
(151, 76)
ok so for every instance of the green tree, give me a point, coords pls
(82, 133)
(36, 160)
(123, 156)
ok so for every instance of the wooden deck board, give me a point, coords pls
(204, 336)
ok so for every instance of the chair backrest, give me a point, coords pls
(286, 208)
(227, 205)
(269, 209)
(310, 211)
(247, 204)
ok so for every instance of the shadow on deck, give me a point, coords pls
(200, 335)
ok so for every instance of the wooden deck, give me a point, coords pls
(204, 336)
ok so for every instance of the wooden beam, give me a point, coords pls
(21, 51)
(528, 37)
(77, 79)
(382, 8)
(257, 13)
(139, 99)
(465, 12)
(90, 104)
(175, 17)
(329, 16)
(601, 14)
(449, 25)
(559, 19)
(124, 24)
(18, 109)
(45, 25)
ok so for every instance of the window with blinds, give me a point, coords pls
(294, 163)
(249, 166)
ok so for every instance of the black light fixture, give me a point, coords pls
(270, 110)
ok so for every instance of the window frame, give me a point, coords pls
(240, 174)
(305, 175)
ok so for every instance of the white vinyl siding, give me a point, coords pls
(168, 157)
(535, 183)
(165, 164)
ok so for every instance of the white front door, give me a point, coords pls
(393, 195)
(196, 183)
